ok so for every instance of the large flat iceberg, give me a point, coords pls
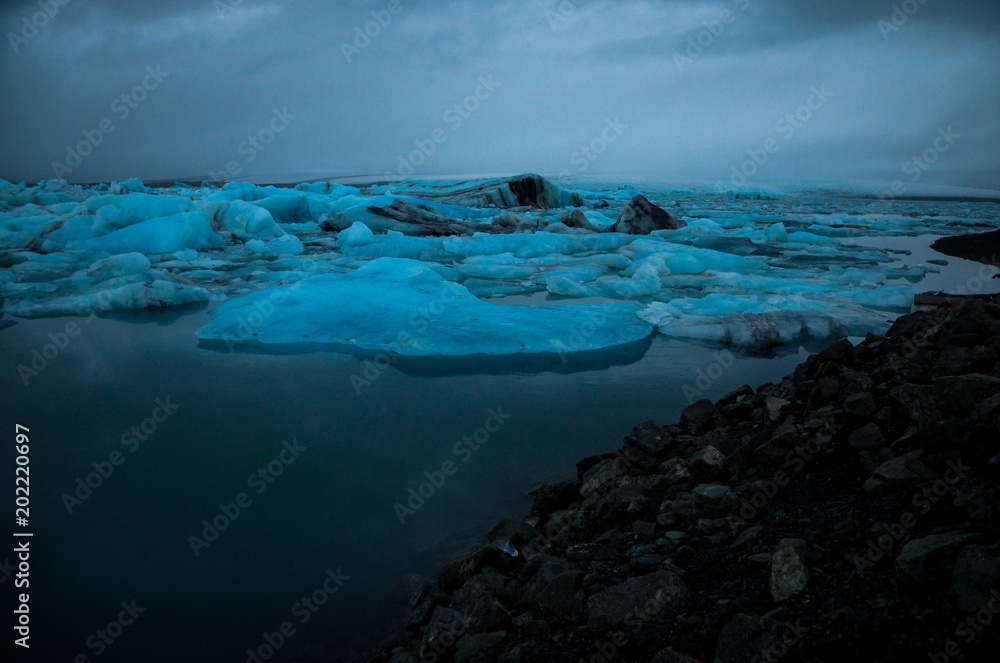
(404, 307)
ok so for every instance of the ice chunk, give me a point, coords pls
(114, 212)
(286, 245)
(164, 235)
(761, 322)
(681, 259)
(404, 307)
(159, 293)
(247, 221)
(119, 265)
(357, 235)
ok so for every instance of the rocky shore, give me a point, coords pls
(848, 513)
(982, 247)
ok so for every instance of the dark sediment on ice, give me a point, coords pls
(849, 512)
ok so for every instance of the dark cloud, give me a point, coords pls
(564, 68)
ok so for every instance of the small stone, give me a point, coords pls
(788, 569)
(707, 464)
(776, 408)
(644, 527)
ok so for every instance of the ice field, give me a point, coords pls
(430, 268)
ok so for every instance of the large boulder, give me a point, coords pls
(648, 598)
(641, 217)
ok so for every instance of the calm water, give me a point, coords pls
(331, 508)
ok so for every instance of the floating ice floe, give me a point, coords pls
(404, 307)
(741, 270)
(761, 322)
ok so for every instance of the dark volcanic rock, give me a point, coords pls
(656, 595)
(850, 512)
(579, 220)
(641, 217)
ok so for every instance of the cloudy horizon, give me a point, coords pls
(734, 91)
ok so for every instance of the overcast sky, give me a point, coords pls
(623, 78)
